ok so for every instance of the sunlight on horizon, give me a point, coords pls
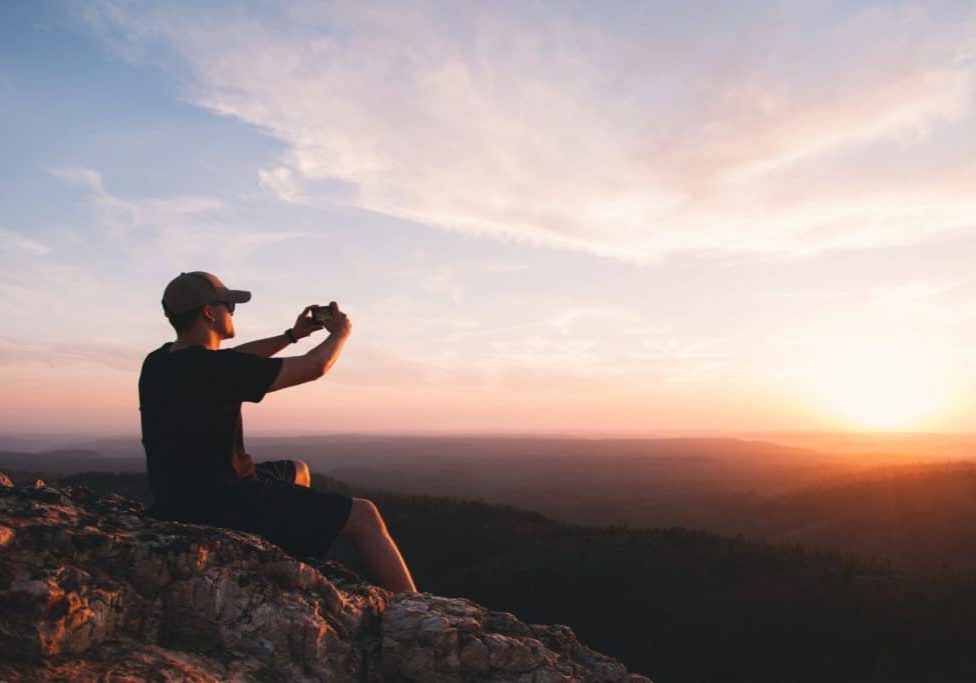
(884, 384)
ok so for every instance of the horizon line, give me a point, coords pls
(650, 434)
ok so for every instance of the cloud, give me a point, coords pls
(940, 305)
(122, 215)
(179, 226)
(370, 365)
(13, 240)
(677, 350)
(624, 133)
(806, 293)
(84, 178)
(443, 283)
(264, 238)
(282, 183)
(20, 353)
(568, 320)
(912, 299)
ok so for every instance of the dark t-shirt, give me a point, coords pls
(190, 401)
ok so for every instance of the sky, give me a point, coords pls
(560, 218)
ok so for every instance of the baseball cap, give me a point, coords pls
(191, 290)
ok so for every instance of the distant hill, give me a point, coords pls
(601, 481)
(919, 517)
(67, 461)
(914, 515)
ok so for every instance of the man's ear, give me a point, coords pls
(207, 313)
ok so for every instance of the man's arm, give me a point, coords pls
(264, 347)
(304, 326)
(315, 363)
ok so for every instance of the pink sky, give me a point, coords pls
(622, 220)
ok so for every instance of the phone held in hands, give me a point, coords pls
(323, 314)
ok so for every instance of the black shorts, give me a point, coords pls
(303, 521)
(277, 470)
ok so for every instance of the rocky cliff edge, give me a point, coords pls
(90, 590)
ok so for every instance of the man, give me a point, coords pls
(190, 395)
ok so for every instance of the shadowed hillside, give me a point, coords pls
(920, 517)
(917, 516)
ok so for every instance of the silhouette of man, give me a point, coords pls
(190, 395)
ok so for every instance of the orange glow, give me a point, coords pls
(861, 386)
(884, 385)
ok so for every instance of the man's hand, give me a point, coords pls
(315, 363)
(338, 324)
(305, 324)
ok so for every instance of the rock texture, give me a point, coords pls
(90, 590)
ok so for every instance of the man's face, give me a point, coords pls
(222, 320)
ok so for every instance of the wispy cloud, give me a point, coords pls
(443, 282)
(121, 215)
(371, 365)
(821, 293)
(915, 299)
(678, 350)
(84, 178)
(176, 229)
(10, 240)
(569, 319)
(595, 132)
(22, 353)
(283, 183)
(263, 238)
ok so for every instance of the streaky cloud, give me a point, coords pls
(575, 130)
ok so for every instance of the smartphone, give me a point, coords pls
(323, 314)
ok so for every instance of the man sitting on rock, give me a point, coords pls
(190, 395)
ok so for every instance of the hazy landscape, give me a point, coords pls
(778, 561)
(893, 502)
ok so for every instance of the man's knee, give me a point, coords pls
(303, 475)
(364, 519)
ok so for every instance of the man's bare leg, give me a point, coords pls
(303, 475)
(384, 563)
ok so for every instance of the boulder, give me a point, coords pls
(90, 589)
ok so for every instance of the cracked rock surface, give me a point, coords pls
(90, 590)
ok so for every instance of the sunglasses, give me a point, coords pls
(229, 304)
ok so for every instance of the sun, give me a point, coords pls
(884, 385)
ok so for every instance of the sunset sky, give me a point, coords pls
(582, 218)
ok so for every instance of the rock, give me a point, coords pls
(92, 590)
(474, 654)
(423, 632)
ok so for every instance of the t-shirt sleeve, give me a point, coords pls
(246, 377)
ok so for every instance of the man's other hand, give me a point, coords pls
(305, 324)
(338, 324)
(315, 363)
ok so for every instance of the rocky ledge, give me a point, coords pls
(90, 590)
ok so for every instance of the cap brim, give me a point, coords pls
(238, 296)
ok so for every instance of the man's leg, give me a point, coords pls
(303, 475)
(382, 558)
